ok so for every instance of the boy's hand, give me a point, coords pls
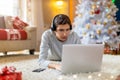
(55, 66)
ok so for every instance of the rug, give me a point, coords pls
(27, 63)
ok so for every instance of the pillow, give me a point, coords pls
(8, 22)
(19, 24)
(13, 34)
(2, 22)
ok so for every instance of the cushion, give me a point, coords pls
(19, 24)
(8, 22)
(2, 22)
(13, 34)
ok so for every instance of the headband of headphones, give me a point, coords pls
(53, 26)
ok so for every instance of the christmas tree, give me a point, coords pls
(95, 21)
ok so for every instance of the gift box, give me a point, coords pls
(8, 73)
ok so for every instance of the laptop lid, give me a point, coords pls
(81, 58)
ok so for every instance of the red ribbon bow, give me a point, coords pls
(7, 70)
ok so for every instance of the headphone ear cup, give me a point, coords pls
(53, 28)
(70, 27)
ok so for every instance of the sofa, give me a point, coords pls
(15, 35)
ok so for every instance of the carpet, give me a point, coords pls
(26, 63)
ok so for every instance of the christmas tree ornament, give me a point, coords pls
(104, 23)
(97, 11)
(109, 16)
(94, 6)
(80, 15)
(109, 4)
(114, 23)
(88, 26)
(84, 33)
(91, 12)
(107, 10)
(109, 31)
(98, 22)
(98, 32)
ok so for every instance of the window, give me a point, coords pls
(9, 7)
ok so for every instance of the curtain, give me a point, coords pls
(9, 7)
(26, 11)
(29, 11)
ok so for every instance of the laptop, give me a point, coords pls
(82, 58)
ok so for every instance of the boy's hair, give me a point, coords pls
(60, 19)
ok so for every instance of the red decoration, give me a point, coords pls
(18, 23)
(97, 11)
(8, 73)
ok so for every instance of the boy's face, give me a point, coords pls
(62, 32)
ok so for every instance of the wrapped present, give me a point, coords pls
(106, 50)
(8, 73)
